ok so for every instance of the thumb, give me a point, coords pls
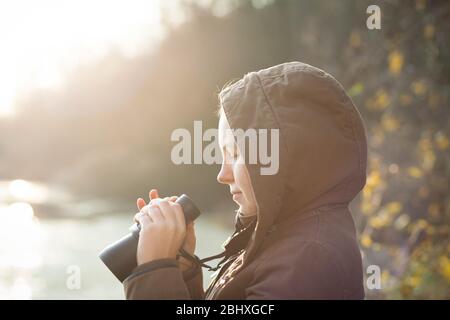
(190, 230)
(190, 225)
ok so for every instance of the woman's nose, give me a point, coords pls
(225, 175)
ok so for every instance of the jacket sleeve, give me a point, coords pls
(194, 282)
(163, 280)
(308, 271)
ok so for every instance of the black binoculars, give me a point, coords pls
(120, 256)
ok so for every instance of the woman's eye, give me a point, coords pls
(232, 153)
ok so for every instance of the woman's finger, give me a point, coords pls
(153, 194)
(155, 212)
(136, 216)
(140, 203)
(144, 220)
(173, 198)
(179, 214)
(190, 226)
(168, 213)
(158, 200)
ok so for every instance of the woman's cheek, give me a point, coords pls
(237, 172)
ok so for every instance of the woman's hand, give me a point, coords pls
(163, 230)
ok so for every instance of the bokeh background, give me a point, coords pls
(90, 92)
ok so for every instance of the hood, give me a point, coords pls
(322, 147)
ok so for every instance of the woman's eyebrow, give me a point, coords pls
(225, 149)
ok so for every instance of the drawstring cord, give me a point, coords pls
(234, 244)
(201, 262)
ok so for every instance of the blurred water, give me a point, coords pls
(39, 259)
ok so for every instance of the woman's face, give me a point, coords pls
(233, 171)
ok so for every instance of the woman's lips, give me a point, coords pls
(237, 195)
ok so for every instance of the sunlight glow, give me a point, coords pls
(40, 41)
(26, 191)
(20, 229)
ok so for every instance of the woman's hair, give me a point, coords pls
(219, 109)
(225, 87)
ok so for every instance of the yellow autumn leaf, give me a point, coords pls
(366, 207)
(394, 207)
(382, 100)
(356, 89)
(381, 220)
(442, 141)
(419, 88)
(377, 222)
(414, 281)
(390, 123)
(428, 160)
(428, 31)
(355, 39)
(444, 267)
(366, 241)
(415, 172)
(402, 221)
(385, 276)
(421, 224)
(395, 62)
(374, 179)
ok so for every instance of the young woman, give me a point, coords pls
(295, 237)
